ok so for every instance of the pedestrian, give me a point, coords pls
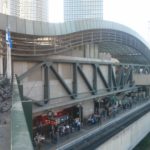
(63, 129)
(38, 141)
(78, 125)
(67, 129)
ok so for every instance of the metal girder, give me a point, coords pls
(110, 77)
(20, 87)
(75, 83)
(128, 76)
(71, 61)
(114, 80)
(121, 81)
(46, 83)
(102, 77)
(62, 82)
(85, 79)
(131, 78)
(95, 77)
(35, 67)
(49, 106)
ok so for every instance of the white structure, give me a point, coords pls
(26, 9)
(82, 9)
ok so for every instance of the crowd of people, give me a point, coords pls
(109, 109)
(52, 133)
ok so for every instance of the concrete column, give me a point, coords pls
(87, 51)
(96, 51)
(8, 71)
(91, 50)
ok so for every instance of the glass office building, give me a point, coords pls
(82, 9)
(26, 9)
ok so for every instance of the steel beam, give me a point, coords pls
(46, 83)
(128, 75)
(102, 77)
(86, 80)
(75, 83)
(62, 82)
(121, 82)
(95, 77)
(20, 87)
(49, 106)
(114, 81)
(27, 73)
(110, 77)
(131, 78)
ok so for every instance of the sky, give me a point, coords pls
(132, 13)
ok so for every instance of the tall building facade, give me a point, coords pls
(26, 9)
(82, 9)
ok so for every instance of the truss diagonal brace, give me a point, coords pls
(46, 82)
(102, 77)
(86, 80)
(35, 67)
(62, 82)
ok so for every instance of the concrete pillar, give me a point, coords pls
(96, 51)
(87, 51)
(91, 50)
(8, 71)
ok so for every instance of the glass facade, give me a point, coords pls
(26, 9)
(82, 9)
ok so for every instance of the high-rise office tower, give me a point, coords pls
(82, 9)
(4, 6)
(26, 9)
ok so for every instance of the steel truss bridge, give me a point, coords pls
(38, 41)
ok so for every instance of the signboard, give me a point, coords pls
(50, 122)
(8, 39)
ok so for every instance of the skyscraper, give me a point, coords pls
(26, 9)
(82, 9)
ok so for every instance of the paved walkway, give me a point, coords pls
(5, 131)
(86, 130)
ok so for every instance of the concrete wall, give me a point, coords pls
(141, 79)
(128, 138)
(87, 51)
(33, 83)
(88, 108)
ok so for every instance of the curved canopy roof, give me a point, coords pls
(40, 39)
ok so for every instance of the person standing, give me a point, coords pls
(78, 125)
